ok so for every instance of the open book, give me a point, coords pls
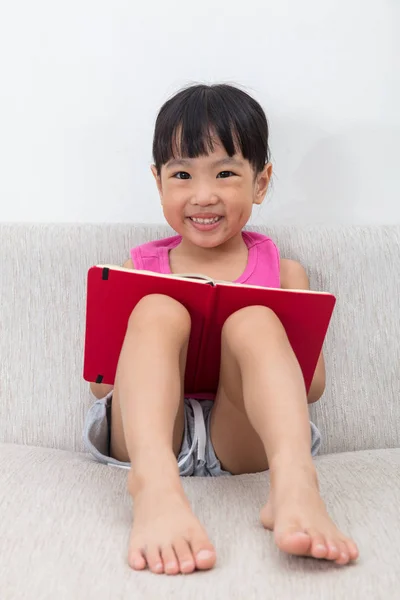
(113, 292)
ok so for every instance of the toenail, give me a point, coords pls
(320, 547)
(205, 554)
(188, 564)
(158, 567)
(171, 565)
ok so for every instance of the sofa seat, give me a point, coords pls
(65, 523)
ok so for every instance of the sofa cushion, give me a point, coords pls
(66, 521)
(43, 397)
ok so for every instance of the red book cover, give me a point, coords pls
(304, 314)
(113, 292)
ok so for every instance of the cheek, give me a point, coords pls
(173, 195)
(239, 198)
(173, 205)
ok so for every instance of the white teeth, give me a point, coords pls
(205, 221)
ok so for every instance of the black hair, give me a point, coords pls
(188, 120)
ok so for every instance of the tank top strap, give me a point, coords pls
(263, 267)
(153, 256)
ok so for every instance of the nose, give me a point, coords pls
(204, 196)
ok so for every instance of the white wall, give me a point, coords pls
(81, 82)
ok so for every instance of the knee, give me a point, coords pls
(163, 312)
(248, 323)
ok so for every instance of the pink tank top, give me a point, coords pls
(262, 266)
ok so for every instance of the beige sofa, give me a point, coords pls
(65, 520)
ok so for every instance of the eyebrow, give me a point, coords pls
(222, 161)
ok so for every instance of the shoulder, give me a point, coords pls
(252, 238)
(293, 275)
(265, 245)
(151, 251)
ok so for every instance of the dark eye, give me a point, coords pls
(181, 175)
(225, 174)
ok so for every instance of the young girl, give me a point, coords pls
(211, 164)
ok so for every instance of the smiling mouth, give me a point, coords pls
(209, 221)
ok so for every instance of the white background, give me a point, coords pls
(81, 82)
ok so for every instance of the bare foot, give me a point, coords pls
(296, 513)
(166, 536)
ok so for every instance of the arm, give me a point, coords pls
(294, 276)
(99, 390)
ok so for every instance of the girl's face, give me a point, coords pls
(208, 200)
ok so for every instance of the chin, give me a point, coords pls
(202, 243)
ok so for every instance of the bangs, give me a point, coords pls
(191, 122)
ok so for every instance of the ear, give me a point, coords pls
(157, 177)
(262, 182)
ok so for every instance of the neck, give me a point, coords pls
(203, 255)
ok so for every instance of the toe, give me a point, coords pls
(154, 560)
(205, 559)
(184, 556)
(333, 549)
(136, 559)
(204, 553)
(293, 542)
(171, 565)
(343, 557)
(319, 547)
(352, 549)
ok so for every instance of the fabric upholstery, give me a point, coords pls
(66, 521)
(43, 397)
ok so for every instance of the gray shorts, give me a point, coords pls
(196, 457)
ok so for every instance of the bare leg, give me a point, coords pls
(147, 426)
(260, 420)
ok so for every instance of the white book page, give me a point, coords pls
(195, 277)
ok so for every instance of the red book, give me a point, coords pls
(113, 292)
